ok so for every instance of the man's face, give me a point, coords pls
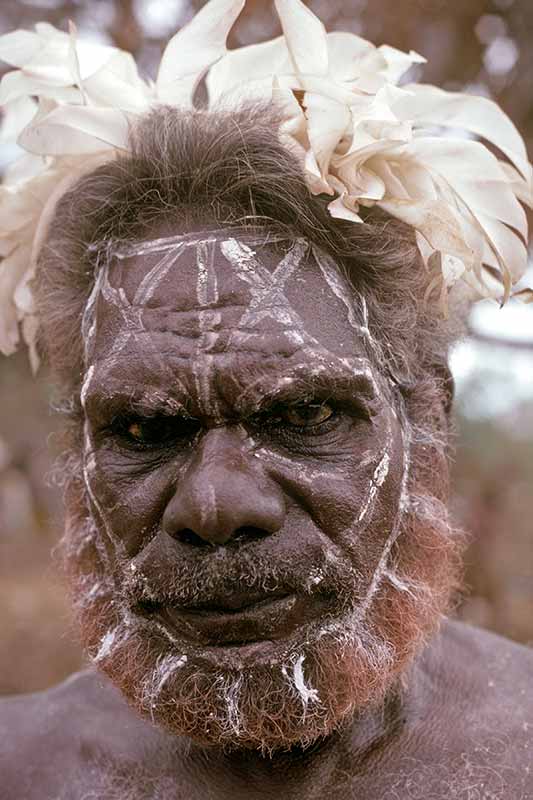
(246, 468)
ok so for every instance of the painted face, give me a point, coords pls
(246, 466)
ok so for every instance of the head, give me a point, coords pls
(257, 536)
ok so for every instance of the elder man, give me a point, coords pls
(257, 536)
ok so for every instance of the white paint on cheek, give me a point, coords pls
(85, 385)
(89, 470)
(382, 566)
(313, 478)
(378, 478)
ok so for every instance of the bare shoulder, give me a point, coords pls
(491, 677)
(47, 738)
(479, 687)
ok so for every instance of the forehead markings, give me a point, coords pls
(88, 320)
(209, 320)
(364, 328)
(337, 284)
(155, 276)
(193, 239)
(268, 299)
(266, 288)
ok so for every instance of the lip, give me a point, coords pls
(243, 619)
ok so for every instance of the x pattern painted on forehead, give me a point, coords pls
(266, 288)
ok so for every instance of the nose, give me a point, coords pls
(223, 497)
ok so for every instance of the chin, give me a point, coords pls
(266, 696)
(262, 695)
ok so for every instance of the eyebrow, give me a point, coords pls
(350, 386)
(149, 402)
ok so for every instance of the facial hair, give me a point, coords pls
(331, 671)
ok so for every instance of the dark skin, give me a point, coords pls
(465, 726)
(249, 445)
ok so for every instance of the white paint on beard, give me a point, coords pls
(106, 645)
(307, 693)
(232, 693)
(166, 667)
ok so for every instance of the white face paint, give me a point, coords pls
(307, 693)
(268, 291)
(382, 570)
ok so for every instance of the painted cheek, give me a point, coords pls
(354, 502)
(128, 506)
(131, 505)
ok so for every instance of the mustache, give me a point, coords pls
(211, 578)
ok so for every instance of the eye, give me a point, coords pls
(138, 431)
(307, 415)
(158, 431)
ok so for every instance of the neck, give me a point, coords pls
(149, 764)
(296, 772)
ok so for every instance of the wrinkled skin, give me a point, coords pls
(248, 522)
(246, 471)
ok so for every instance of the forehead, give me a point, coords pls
(253, 283)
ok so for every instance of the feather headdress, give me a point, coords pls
(363, 139)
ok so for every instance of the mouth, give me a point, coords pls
(240, 619)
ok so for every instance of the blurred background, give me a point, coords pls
(479, 46)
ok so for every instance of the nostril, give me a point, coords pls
(247, 534)
(187, 536)
(241, 536)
